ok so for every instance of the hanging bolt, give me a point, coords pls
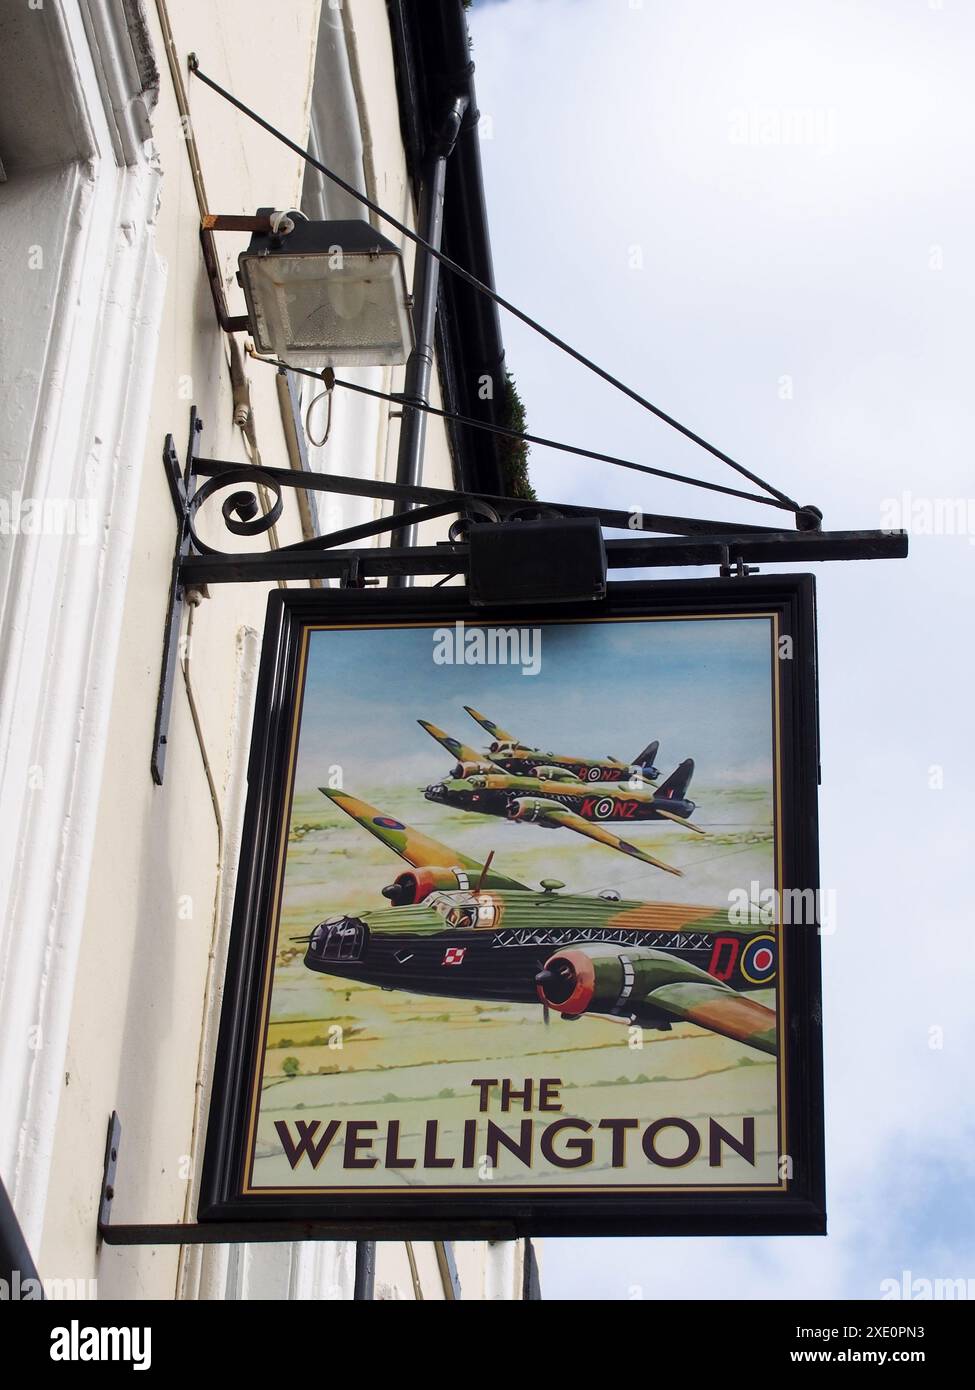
(809, 519)
(738, 570)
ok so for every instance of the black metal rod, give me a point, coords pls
(398, 398)
(531, 1289)
(364, 1289)
(449, 1276)
(179, 488)
(259, 1232)
(426, 287)
(373, 528)
(400, 492)
(785, 547)
(487, 290)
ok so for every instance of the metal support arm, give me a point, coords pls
(265, 1232)
(734, 547)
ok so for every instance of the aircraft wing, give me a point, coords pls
(560, 815)
(417, 849)
(495, 730)
(678, 820)
(461, 751)
(719, 1009)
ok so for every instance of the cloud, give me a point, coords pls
(797, 293)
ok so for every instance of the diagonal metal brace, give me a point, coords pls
(505, 507)
(679, 540)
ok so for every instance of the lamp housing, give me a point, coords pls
(327, 294)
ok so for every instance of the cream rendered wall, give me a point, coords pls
(146, 999)
(490, 1271)
(135, 1033)
(74, 102)
(486, 1271)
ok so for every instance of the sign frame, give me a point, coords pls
(463, 1214)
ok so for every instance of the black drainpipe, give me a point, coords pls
(16, 1264)
(426, 287)
(364, 1289)
(431, 48)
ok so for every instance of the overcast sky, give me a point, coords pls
(760, 215)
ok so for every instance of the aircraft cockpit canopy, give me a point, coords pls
(465, 911)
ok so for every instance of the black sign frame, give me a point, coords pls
(800, 1210)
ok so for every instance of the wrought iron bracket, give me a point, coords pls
(219, 1232)
(736, 548)
(180, 487)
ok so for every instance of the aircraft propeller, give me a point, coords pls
(540, 980)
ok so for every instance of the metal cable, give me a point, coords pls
(397, 398)
(498, 299)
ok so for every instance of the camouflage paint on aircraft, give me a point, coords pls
(457, 928)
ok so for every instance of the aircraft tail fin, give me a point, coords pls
(489, 726)
(645, 759)
(675, 787)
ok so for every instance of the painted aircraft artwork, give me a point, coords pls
(555, 798)
(457, 928)
(508, 753)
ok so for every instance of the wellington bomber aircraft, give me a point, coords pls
(555, 797)
(511, 755)
(457, 928)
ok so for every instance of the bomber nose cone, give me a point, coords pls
(320, 936)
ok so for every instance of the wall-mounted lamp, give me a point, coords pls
(319, 294)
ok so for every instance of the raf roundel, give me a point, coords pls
(758, 960)
(387, 823)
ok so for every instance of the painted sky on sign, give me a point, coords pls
(701, 688)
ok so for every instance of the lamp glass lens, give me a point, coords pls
(328, 309)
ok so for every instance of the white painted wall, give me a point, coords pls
(78, 391)
(115, 894)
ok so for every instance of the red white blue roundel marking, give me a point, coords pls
(388, 823)
(758, 960)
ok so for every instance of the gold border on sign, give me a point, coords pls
(539, 1189)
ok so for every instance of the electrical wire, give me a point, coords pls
(397, 398)
(455, 268)
(218, 884)
(319, 443)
